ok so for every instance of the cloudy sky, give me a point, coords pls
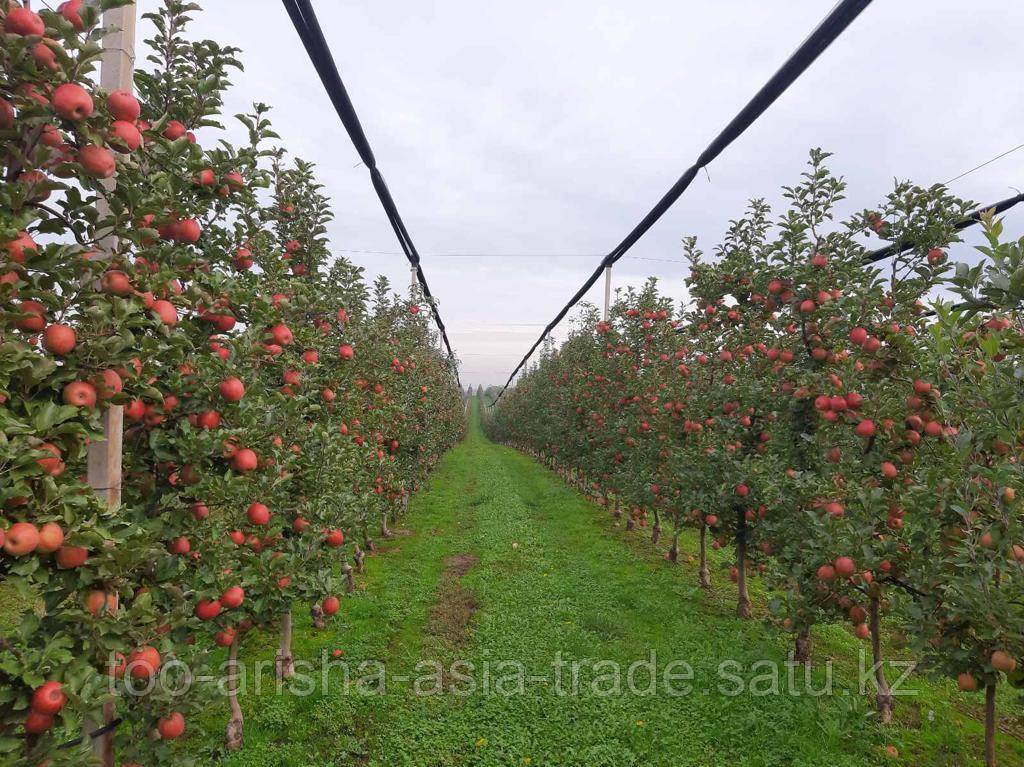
(545, 129)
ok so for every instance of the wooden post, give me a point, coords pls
(607, 291)
(104, 462)
(118, 62)
(105, 458)
(116, 73)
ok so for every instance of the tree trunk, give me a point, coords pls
(350, 583)
(705, 573)
(317, 614)
(285, 664)
(617, 512)
(802, 645)
(103, 745)
(368, 544)
(656, 530)
(360, 557)
(742, 599)
(630, 522)
(990, 726)
(883, 697)
(233, 735)
(673, 553)
(385, 532)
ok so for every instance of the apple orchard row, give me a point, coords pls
(277, 410)
(855, 440)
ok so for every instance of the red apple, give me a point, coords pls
(70, 11)
(51, 538)
(334, 537)
(19, 248)
(36, 723)
(244, 460)
(80, 394)
(232, 389)
(1004, 662)
(187, 231)
(225, 638)
(116, 283)
(207, 609)
(845, 567)
(143, 662)
(21, 539)
(281, 335)
(70, 557)
(966, 682)
(6, 114)
(124, 106)
(166, 312)
(59, 339)
(96, 161)
(96, 602)
(258, 514)
(52, 465)
(108, 384)
(865, 428)
(22, 21)
(124, 136)
(48, 698)
(171, 726)
(174, 130)
(35, 320)
(232, 597)
(72, 102)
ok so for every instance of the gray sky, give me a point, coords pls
(552, 127)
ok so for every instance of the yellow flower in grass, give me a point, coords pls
(639, 722)
(481, 742)
(527, 760)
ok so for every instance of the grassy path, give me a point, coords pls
(505, 563)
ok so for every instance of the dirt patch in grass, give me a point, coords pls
(450, 615)
(1007, 725)
(459, 564)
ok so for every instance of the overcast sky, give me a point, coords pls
(552, 126)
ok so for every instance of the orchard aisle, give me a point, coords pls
(504, 563)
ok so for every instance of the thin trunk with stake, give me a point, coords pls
(233, 735)
(990, 725)
(802, 645)
(359, 556)
(350, 583)
(742, 599)
(705, 573)
(883, 696)
(285, 662)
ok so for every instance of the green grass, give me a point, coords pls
(578, 587)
